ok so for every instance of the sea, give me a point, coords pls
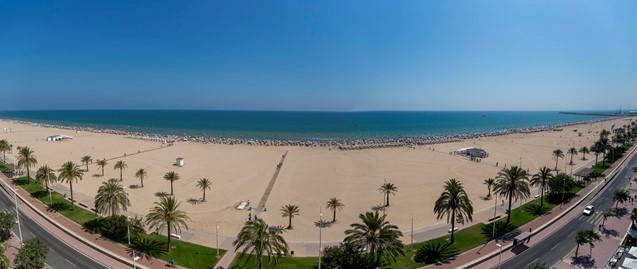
(296, 125)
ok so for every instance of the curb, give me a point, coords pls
(74, 235)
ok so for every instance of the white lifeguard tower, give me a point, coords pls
(179, 161)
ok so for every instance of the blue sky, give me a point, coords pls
(318, 55)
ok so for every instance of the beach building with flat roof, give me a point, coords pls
(473, 152)
(58, 137)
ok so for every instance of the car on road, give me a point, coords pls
(588, 210)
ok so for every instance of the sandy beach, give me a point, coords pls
(308, 177)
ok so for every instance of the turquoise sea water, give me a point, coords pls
(297, 125)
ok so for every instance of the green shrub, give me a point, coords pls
(431, 253)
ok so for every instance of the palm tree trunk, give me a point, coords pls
(204, 194)
(142, 178)
(28, 175)
(541, 196)
(576, 250)
(168, 237)
(334, 218)
(171, 188)
(489, 188)
(453, 225)
(290, 222)
(571, 158)
(120, 174)
(102, 170)
(72, 200)
(387, 203)
(556, 160)
(87, 166)
(509, 214)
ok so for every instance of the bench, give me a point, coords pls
(83, 204)
(175, 236)
(494, 218)
(94, 209)
(455, 229)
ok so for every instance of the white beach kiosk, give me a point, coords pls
(179, 161)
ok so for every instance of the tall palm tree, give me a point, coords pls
(256, 238)
(387, 189)
(609, 213)
(511, 183)
(620, 196)
(171, 176)
(541, 179)
(572, 151)
(45, 175)
(111, 198)
(87, 159)
(586, 237)
(26, 160)
(141, 174)
(584, 150)
(377, 235)
(557, 154)
(289, 211)
(102, 163)
(333, 204)
(121, 165)
(68, 173)
(204, 184)
(166, 213)
(455, 204)
(4, 147)
(489, 182)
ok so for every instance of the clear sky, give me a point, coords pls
(318, 55)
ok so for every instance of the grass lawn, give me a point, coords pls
(3, 168)
(185, 254)
(247, 261)
(190, 255)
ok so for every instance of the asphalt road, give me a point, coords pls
(61, 255)
(561, 242)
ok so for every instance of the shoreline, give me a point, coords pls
(341, 144)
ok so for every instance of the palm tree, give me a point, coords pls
(87, 159)
(26, 160)
(256, 238)
(620, 196)
(387, 189)
(290, 211)
(204, 184)
(541, 179)
(572, 151)
(584, 150)
(333, 204)
(489, 182)
(111, 197)
(454, 200)
(166, 214)
(557, 154)
(608, 214)
(586, 237)
(4, 147)
(511, 183)
(149, 248)
(141, 174)
(102, 163)
(377, 235)
(171, 176)
(121, 165)
(45, 175)
(68, 173)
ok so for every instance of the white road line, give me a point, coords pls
(555, 246)
(70, 262)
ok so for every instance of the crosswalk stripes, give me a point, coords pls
(596, 218)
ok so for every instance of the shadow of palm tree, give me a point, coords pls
(133, 186)
(609, 233)
(584, 261)
(194, 201)
(322, 224)
(161, 194)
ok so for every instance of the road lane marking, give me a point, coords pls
(555, 246)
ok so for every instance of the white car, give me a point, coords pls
(588, 210)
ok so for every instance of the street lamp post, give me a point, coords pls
(500, 255)
(412, 232)
(495, 208)
(17, 213)
(217, 235)
(47, 184)
(128, 232)
(320, 236)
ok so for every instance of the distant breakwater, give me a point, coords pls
(342, 144)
